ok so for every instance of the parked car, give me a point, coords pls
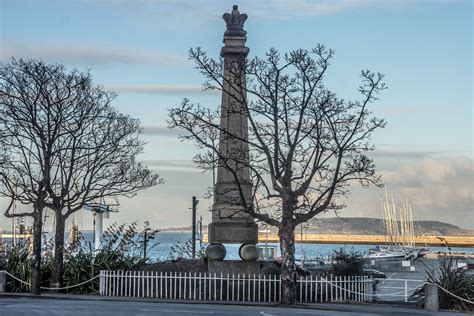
(374, 273)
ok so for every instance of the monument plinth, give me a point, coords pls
(233, 188)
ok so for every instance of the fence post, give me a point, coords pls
(107, 283)
(105, 279)
(406, 291)
(3, 281)
(431, 297)
(101, 282)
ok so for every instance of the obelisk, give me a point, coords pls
(233, 188)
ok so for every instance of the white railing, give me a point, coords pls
(231, 288)
(396, 289)
(335, 289)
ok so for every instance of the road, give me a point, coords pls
(65, 307)
(31, 307)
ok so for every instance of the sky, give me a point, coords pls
(138, 48)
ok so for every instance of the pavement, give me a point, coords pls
(69, 305)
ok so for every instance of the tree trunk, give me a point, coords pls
(57, 274)
(36, 249)
(286, 234)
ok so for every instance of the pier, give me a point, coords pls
(440, 241)
(16, 236)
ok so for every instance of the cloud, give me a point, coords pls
(160, 131)
(189, 12)
(172, 164)
(404, 109)
(439, 188)
(322, 7)
(167, 12)
(452, 172)
(404, 154)
(159, 89)
(86, 53)
(287, 9)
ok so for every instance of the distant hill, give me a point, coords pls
(367, 226)
(180, 229)
(374, 226)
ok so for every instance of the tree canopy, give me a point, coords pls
(64, 145)
(304, 148)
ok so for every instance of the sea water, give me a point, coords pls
(161, 247)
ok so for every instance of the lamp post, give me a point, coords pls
(200, 231)
(145, 237)
(195, 203)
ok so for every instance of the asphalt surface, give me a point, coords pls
(31, 306)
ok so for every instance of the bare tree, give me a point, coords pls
(306, 146)
(66, 145)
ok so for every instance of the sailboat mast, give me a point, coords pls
(387, 218)
(393, 222)
(384, 219)
(412, 226)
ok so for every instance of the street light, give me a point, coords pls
(145, 237)
(195, 203)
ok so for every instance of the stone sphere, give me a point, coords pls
(215, 252)
(248, 252)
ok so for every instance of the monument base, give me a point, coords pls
(234, 267)
(233, 232)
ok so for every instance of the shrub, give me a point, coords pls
(122, 249)
(346, 263)
(180, 251)
(454, 280)
(16, 261)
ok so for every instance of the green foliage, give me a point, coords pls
(454, 280)
(185, 251)
(122, 249)
(346, 262)
(17, 261)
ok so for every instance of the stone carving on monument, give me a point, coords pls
(233, 188)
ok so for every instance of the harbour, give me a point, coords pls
(438, 241)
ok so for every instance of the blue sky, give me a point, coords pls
(139, 49)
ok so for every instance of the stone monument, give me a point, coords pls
(233, 188)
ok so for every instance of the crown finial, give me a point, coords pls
(235, 22)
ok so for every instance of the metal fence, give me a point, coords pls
(396, 290)
(232, 288)
(335, 289)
